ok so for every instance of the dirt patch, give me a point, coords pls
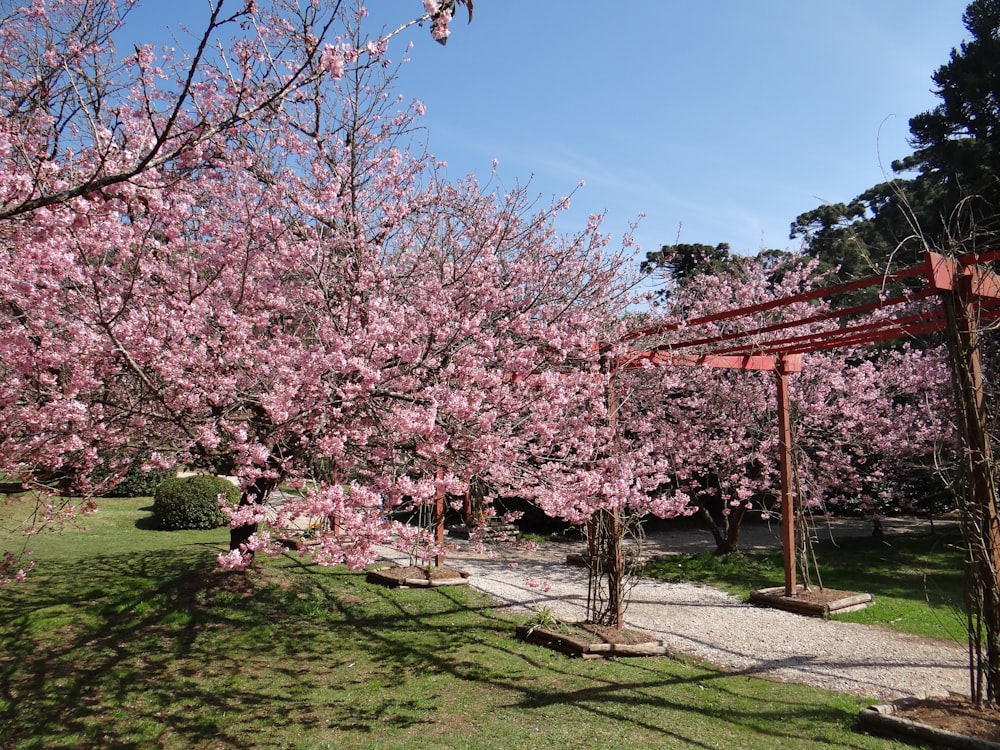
(608, 634)
(956, 715)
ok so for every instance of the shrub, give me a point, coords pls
(139, 483)
(192, 502)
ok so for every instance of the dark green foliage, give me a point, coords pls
(958, 142)
(139, 483)
(882, 229)
(192, 502)
(679, 262)
(679, 265)
(676, 264)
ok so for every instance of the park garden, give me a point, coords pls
(241, 263)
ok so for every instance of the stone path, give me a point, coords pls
(707, 624)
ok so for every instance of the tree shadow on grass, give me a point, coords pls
(163, 648)
(661, 699)
(93, 652)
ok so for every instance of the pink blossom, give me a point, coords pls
(332, 61)
(439, 28)
(242, 515)
(536, 583)
(234, 560)
(14, 568)
(312, 305)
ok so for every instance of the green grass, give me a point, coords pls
(131, 638)
(916, 579)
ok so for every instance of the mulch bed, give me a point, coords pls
(814, 601)
(943, 722)
(591, 641)
(417, 576)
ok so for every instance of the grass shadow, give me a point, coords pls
(162, 648)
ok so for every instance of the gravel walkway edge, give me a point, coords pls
(714, 627)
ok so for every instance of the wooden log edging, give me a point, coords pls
(882, 720)
(567, 644)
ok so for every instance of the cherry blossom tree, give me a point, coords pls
(144, 240)
(79, 117)
(258, 269)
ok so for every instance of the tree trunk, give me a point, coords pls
(240, 534)
(734, 524)
(726, 535)
(720, 538)
(606, 564)
(256, 493)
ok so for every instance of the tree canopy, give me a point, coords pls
(260, 272)
(957, 144)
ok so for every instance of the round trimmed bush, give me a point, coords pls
(192, 502)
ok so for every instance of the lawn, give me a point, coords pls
(916, 579)
(129, 637)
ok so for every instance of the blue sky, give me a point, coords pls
(720, 120)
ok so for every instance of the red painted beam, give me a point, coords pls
(636, 360)
(829, 291)
(941, 272)
(863, 333)
(983, 283)
(972, 259)
(819, 318)
(725, 350)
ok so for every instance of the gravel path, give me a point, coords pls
(717, 628)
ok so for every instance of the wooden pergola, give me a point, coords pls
(968, 298)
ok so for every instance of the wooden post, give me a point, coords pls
(788, 509)
(977, 462)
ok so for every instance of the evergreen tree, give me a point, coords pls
(952, 199)
(957, 144)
